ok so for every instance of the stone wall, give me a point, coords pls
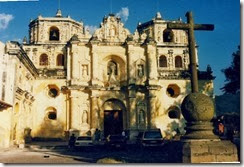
(209, 151)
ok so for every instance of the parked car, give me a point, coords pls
(83, 141)
(117, 141)
(151, 138)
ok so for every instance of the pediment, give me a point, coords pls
(112, 30)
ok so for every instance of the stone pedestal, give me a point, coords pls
(206, 151)
(199, 144)
(200, 130)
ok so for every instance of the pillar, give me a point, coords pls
(68, 64)
(94, 113)
(74, 121)
(68, 112)
(151, 63)
(130, 72)
(151, 112)
(94, 66)
(131, 114)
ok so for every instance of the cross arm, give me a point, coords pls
(184, 26)
(181, 26)
(208, 27)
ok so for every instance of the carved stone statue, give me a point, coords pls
(112, 31)
(85, 117)
(112, 72)
(140, 70)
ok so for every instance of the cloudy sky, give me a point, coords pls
(215, 48)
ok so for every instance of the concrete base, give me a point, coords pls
(207, 151)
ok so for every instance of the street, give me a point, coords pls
(100, 154)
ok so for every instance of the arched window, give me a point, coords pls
(178, 62)
(60, 60)
(54, 34)
(43, 60)
(112, 68)
(162, 61)
(168, 35)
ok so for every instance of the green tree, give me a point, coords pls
(232, 74)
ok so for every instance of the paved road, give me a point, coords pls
(34, 156)
(49, 152)
(62, 154)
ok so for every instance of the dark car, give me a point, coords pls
(117, 141)
(151, 138)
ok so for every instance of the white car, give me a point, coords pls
(83, 141)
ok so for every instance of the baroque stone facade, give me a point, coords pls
(112, 80)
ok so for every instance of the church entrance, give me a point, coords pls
(113, 122)
(114, 117)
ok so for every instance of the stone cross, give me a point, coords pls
(190, 26)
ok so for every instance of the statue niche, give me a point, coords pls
(112, 31)
(112, 72)
(140, 69)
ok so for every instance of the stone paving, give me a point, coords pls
(58, 152)
(21, 156)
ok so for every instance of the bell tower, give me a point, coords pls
(54, 30)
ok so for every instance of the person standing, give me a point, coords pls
(72, 141)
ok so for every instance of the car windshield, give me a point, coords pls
(152, 135)
(84, 138)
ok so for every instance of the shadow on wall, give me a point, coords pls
(175, 128)
(171, 128)
(50, 129)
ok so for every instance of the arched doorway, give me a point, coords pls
(114, 117)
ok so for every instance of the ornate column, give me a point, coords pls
(95, 117)
(151, 111)
(170, 59)
(68, 64)
(94, 65)
(68, 112)
(73, 110)
(131, 114)
(186, 59)
(94, 110)
(72, 104)
(130, 67)
(151, 62)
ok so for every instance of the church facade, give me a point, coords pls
(111, 80)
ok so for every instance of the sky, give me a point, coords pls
(215, 47)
